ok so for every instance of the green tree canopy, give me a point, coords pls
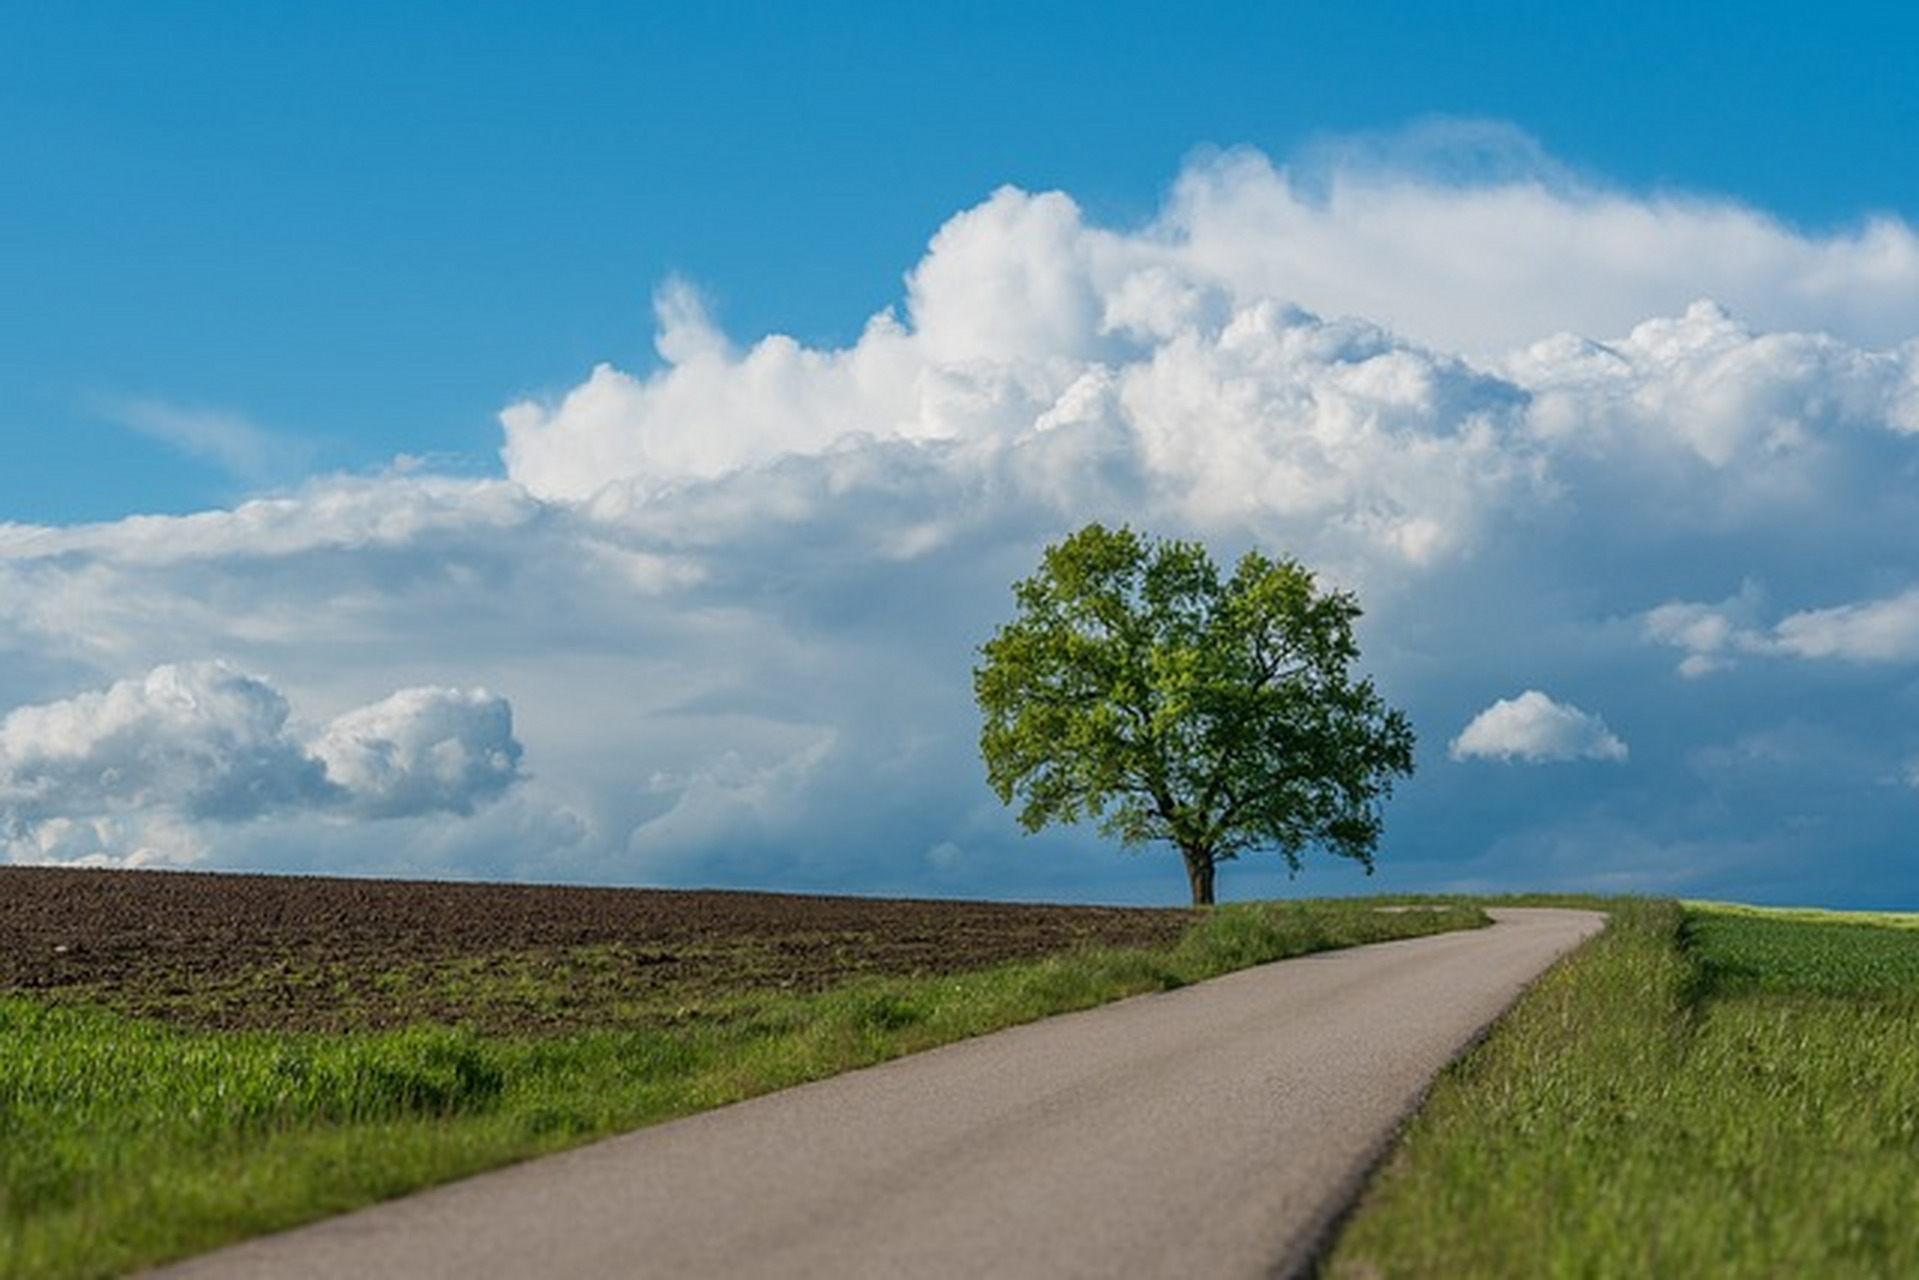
(1138, 688)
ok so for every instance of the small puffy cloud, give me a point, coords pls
(1534, 728)
(422, 751)
(122, 773)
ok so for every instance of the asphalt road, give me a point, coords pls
(1215, 1131)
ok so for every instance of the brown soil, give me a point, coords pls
(297, 952)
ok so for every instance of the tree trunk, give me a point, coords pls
(1199, 871)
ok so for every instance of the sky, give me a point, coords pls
(585, 443)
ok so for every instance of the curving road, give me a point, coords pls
(1214, 1131)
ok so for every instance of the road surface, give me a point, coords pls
(1214, 1131)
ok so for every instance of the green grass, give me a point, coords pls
(125, 1142)
(1701, 1091)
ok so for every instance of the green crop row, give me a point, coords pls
(1741, 952)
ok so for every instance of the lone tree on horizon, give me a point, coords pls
(1137, 687)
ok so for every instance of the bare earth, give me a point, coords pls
(1216, 1131)
(308, 953)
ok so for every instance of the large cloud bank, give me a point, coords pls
(1659, 451)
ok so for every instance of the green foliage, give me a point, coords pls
(1138, 688)
(124, 1142)
(1694, 1093)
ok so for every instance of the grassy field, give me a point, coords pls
(128, 1140)
(1702, 1091)
(1706, 1090)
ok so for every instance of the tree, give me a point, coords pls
(1137, 688)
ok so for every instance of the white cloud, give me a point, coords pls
(1710, 634)
(422, 751)
(1708, 385)
(1868, 631)
(1871, 631)
(147, 838)
(1534, 728)
(1175, 366)
(712, 410)
(123, 773)
(202, 738)
(1507, 253)
(734, 599)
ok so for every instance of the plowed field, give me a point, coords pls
(310, 953)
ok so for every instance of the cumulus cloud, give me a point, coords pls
(1704, 384)
(713, 409)
(202, 738)
(1552, 434)
(1213, 367)
(1461, 238)
(421, 751)
(1009, 381)
(1534, 728)
(206, 742)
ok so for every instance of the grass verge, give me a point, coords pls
(125, 1142)
(1701, 1091)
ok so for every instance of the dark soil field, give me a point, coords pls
(309, 953)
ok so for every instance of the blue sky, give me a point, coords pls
(364, 227)
(565, 514)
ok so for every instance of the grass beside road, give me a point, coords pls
(1702, 1091)
(125, 1141)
